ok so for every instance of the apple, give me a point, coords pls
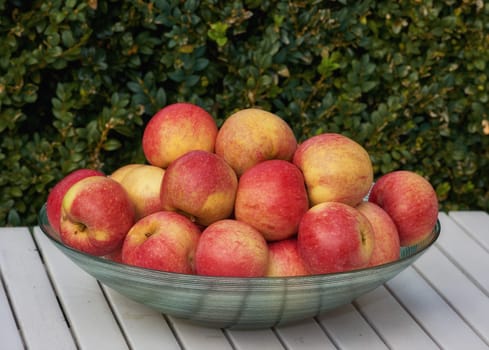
(387, 245)
(119, 174)
(176, 129)
(96, 214)
(272, 198)
(200, 185)
(57, 192)
(143, 184)
(335, 168)
(163, 241)
(252, 135)
(410, 201)
(284, 259)
(231, 248)
(335, 237)
(115, 256)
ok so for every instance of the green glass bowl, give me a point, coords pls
(232, 302)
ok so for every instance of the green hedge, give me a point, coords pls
(406, 79)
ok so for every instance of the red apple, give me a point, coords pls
(231, 248)
(56, 194)
(335, 237)
(115, 256)
(200, 185)
(410, 201)
(387, 246)
(272, 198)
(335, 168)
(143, 184)
(284, 259)
(252, 135)
(163, 241)
(176, 129)
(96, 214)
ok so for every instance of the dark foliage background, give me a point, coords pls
(406, 79)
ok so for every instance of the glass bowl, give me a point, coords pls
(232, 302)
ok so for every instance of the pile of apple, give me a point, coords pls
(243, 200)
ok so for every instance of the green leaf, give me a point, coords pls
(201, 64)
(134, 87)
(13, 218)
(160, 98)
(112, 145)
(327, 66)
(217, 33)
(67, 38)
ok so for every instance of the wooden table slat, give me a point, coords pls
(471, 257)
(83, 300)
(192, 336)
(432, 312)
(9, 333)
(304, 335)
(476, 223)
(145, 328)
(457, 289)
(33, 299)
(349, 330)
(393, 323)
(254, 339)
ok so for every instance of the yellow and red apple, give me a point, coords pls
(252, 135)
(176, 129)
(163, 241)
(56, 194)
(387, 245)
(284, 259)
(119, 173)
(336, 169)
(96, 214)
(200, 185)
(231, 248)
(272, 198)
(411, 202)
(335, 237)
(143, 184)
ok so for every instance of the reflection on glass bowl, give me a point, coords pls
(232, 302)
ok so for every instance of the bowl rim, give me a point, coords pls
(53, 236)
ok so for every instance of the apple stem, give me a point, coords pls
(80, 227)
(362, 236)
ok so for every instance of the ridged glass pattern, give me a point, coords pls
(232, 302)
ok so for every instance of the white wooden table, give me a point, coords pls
(442, 301)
